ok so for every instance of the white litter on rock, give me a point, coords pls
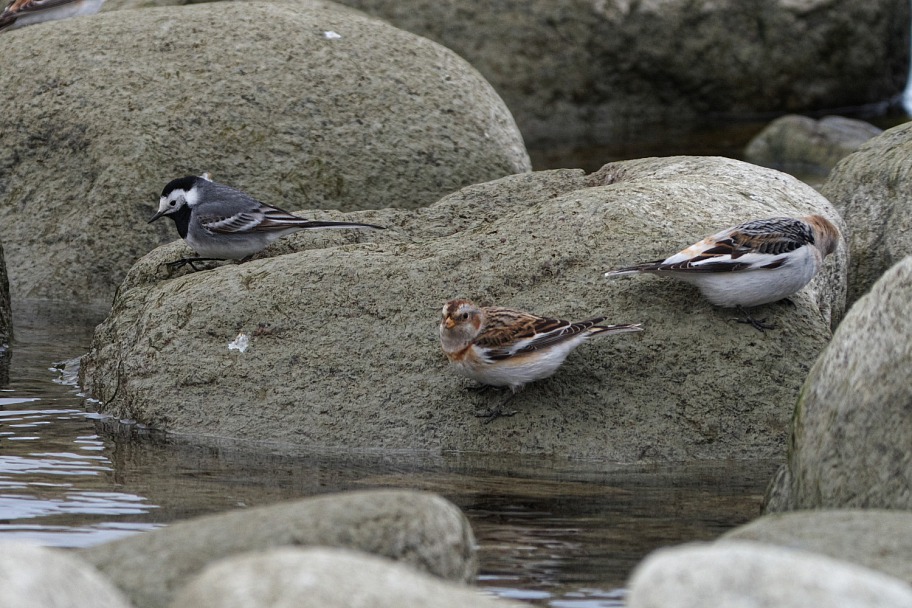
(331, 35)
(240, 343)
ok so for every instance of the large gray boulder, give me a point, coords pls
(803, 145)
(578, 72)
(304, 105)
(877, 539)
(872, 189)
(38, 577)
(422, 530)
(341, 331)
(321, 577)
(849, 446)
(741, 574)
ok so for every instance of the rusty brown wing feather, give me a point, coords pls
(510, 332)
(506, 326)
(21, 7)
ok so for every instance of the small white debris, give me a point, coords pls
(331, 35)
(240, 343)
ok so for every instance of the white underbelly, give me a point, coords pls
(752, 287)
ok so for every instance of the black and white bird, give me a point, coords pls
(19, 13)
(754, 263)
(222, 223)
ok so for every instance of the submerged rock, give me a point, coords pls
(422, 530)
(872, 188)
(303, 105)
(850, 439)
(799, 144)
(877, 539)
(740, 573)
(342, 347)
(38, 577)
(323, 578)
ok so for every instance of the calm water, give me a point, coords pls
(556, 533)
(716, 138)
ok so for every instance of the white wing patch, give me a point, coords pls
(237, 223)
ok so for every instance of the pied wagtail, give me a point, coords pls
(222, 223)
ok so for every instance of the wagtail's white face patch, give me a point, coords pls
(177, 193)
(171, 203)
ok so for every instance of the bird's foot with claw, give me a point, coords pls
(191, 262)
(480, 388)
(493, 413)
(759, 324)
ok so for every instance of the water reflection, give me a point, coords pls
(55, 474)
(41, 487)
(71, 536)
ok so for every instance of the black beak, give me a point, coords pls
(155, 217)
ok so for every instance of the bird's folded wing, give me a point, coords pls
(759, 244)
(22, 7)
(726, 263)
(239, 223)
(534, 334)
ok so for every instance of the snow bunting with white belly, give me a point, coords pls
(19, 13)
(504, 347)
(754, 263)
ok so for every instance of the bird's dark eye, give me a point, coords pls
(464, 316)
(172, 203)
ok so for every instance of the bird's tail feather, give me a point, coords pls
(616, 329)
(621, 272)
(630, 270)
(280, 222)
(321, 224)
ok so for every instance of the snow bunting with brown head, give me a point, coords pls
(754, 263)
(19, 13)
(504, 347)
